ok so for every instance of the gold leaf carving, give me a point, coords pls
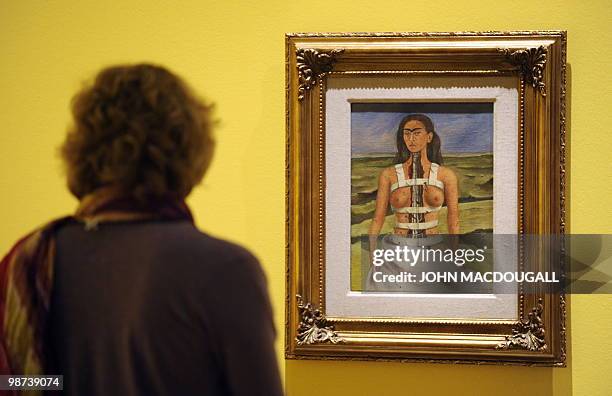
(531, 63)
(313, 65)
(313, 328)
(528, 334)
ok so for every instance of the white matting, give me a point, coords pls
(340, 300)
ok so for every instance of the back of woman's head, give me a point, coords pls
(139, 128)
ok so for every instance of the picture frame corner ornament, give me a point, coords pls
(313, 327)
(528, 334)
(312, 65)
(531, 63)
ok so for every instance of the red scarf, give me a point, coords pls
(26, 273)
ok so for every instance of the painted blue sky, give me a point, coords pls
(470, 131)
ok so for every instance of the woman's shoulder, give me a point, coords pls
(226, 250)
(388, 171)
(201, 252)
(446, 173)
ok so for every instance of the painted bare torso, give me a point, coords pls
(433, 197)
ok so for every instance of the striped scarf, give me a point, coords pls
(26, 273)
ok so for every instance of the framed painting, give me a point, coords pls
(415, 160)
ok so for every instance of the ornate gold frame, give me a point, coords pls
(538, 60)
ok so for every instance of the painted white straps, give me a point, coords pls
(432, 180)
(418, 209)
(403, 182)
(417, 226)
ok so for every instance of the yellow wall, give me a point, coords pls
(233, 52)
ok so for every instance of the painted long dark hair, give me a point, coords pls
(433, 149)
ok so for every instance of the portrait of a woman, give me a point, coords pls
(416, 187)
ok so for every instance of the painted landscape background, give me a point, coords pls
(467, 130)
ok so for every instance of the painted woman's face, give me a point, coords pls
(415, 136)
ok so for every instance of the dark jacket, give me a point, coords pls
(159, 308)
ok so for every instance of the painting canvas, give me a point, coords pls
(465, 134)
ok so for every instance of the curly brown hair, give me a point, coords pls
(138, 127)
